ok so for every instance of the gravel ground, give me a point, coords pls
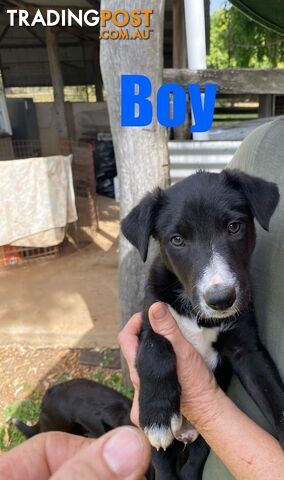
(24, 369)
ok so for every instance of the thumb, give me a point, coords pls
(164, 324)
(123, 453)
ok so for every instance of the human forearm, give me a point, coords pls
(249, 452)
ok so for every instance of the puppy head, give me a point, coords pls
(205, 228)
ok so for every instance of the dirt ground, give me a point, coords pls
(69, 301)
(24, 369)
(51, 310)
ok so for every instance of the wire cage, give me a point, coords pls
(84, 188)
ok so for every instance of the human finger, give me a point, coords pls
(123, 453)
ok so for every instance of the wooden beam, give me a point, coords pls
(4, 31)
(32, 8)
(86, 33)
(33, 33)
(25, 46)
(95, 4)
(233, 81)
(57, 83)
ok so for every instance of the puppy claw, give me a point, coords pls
(159, 436)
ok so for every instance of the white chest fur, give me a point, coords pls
(201, 338)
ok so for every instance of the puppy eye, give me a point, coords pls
(177, 241)
(234, 227)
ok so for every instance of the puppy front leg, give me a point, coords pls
(159, 399)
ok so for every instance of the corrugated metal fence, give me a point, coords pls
(187, 157)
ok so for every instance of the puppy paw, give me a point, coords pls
(161, 435)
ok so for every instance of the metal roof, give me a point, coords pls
(23, 55)
(24, 60)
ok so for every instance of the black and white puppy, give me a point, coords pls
(204, 226)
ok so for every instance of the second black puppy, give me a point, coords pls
(204, 226)
(81, 407)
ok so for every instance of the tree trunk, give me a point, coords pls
(141, 153)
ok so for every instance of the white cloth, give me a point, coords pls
(36, 200)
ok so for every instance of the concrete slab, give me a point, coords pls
(70, 301)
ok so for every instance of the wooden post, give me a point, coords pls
(98, 81)
(141, 153)
(57, 83)
(179, 55)
(179, 36)
(266, 106)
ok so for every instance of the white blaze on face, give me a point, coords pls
(217, 272)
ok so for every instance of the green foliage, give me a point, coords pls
(218, 57)
(238, 41)
(27, 411)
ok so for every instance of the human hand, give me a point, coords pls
(246, 449)
(123, 453)
(200, 392)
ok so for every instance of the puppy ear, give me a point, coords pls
(139, 224)
(262, 196)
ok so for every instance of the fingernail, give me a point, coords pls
(160, 311)
(123, 453)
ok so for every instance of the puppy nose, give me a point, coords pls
(220, 297)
